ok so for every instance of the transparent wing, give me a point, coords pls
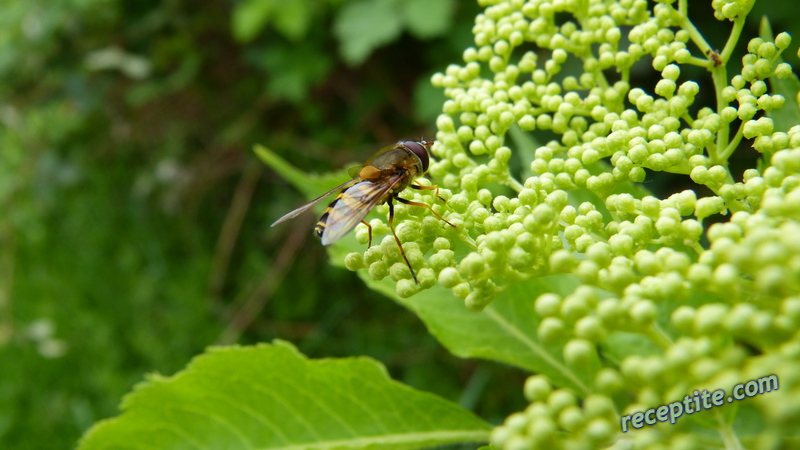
(304, 208)
(381, 151)
(353, 205)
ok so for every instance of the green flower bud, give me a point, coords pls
(492, 223)
(579, 353)
(667, 226)
(763, 68)
(537, 388)
(477, 300)
(399, 271)
(679, 356)
(760, 127)
(772, 280)
(591, 329)
(576, 306)
(643, 312)
(461, 290)
(458, 203)
(709, 318)
(708, 206)
(562, 261)
(441, 259)
(472, 265)
(587, 272)
(354, 261)
(448, 277)
(405, 288)
(665, 88)
(519, 259)
(600, 431)
(637, 175)
(378, 270)
(725, 275)
(600, 253)
(746, 111)
(571, 419)
(547, 305)
(783, 71)
(527, 122)
(551, 330)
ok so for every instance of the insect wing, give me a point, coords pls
(304, 208)
(380, 152)
(353, 204)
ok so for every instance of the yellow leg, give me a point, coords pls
(369, 227)
(396, 239)
(425, 205)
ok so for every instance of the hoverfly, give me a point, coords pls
(380, 179)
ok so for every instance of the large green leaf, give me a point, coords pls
(271, 396)
(504, 331)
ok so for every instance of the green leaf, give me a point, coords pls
(293, 18)
(525, 146)
(784, 118)
(310, 185)
(426, 19)
(504, 331)
(361, 26)
(271, 396)
(621, 344)
(789, 115)
(428, 101)
(250, 17)
(294, 68)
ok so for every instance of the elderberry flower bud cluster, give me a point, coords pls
(667, 303)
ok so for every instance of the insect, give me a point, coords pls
(380, 179)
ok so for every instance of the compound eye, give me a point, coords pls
(419, 149)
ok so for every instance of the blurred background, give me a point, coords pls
(134, 217)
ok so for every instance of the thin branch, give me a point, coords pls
(231, 227)
(272, 278)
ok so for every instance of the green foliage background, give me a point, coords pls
(133, 214)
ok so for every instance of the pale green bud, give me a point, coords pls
(405, 288)
(591, 329)
(461, 290)
(378, 270)
(547, 305)
(709, 318)
(537, 388)
(579, 353)
(448, 277)
(354, 261)
(643, 312)
(551, 330)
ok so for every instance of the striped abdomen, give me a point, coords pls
(351, 206)
(323, 220)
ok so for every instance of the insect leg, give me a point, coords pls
(369, 227)
(396, 239)
(424, 205)
(429, 188)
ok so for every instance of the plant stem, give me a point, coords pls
(728, 436)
